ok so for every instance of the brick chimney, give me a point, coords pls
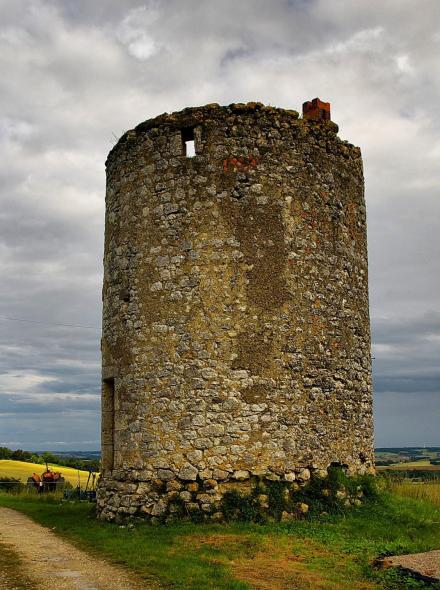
(316, 110)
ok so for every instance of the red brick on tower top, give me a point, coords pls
(316, 110)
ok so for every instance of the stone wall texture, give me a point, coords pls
(236, 339)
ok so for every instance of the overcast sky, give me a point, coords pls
(75, 74)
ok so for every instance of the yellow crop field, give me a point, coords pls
(22, 470)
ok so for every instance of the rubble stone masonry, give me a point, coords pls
(236, 338)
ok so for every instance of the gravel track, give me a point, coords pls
(423, 565)
(45, 561)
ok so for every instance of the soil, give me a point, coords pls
(32, 556)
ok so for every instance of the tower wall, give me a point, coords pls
(236, 337)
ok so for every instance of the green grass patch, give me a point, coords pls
(334, 552)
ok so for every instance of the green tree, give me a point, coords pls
(5, 453)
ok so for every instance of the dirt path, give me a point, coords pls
(46, 562)
(11, 576)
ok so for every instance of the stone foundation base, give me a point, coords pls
(166, 500)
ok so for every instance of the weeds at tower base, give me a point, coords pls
(275, 501)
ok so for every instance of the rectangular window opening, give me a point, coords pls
(189, 148)
(108, 423)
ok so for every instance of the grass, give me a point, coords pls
(330, 553)
(22, 470)
(419, 491)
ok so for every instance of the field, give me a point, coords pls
(328, 553)
(22, 470)
(408, 457)
(419, 491)
(419, 463)
(422, 465)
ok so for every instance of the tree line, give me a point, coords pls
(48, 457)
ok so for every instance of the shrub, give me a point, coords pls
(242, 507)
(10, 484)
(333, 494)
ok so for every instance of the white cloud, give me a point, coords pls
(403, 64)
(19, 383)
(134, 32)
(361, 41)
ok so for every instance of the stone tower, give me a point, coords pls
(236, 340)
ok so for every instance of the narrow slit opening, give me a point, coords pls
(108, 423)
(188, 143)
(190, 149)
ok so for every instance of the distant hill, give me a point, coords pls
(409, 450)
(76, 454)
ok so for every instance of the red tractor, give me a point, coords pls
(49, 481)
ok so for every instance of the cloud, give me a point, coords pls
(136, 32)
(77, 74)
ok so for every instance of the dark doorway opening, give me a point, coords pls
(108, 423)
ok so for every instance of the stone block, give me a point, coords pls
(188, 473)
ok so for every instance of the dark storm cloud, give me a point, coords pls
(75, 74)
(406, 379)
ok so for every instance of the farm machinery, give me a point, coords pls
(52, 481)
(87, 494)
(49, 481)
